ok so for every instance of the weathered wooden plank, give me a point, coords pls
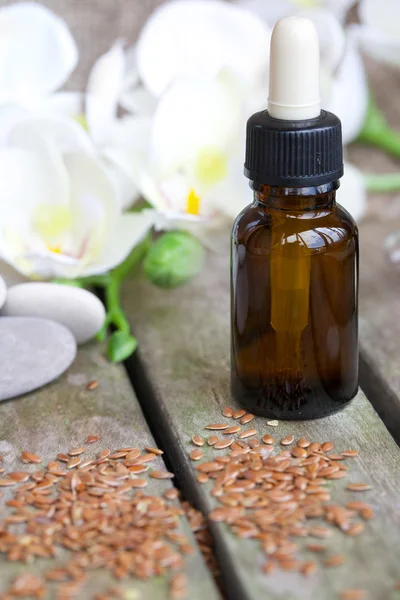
(380, 324)
(182, 378)
(380, 280)
(61, 416)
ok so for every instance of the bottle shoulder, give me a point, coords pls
(316, 229)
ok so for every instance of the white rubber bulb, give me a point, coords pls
(294, 87)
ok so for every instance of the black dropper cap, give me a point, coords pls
(294, 153)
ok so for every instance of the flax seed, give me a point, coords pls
(316, 548)
(334, 561)
(247, 418)
(337, 475)
(367, 513)
(232, 430)
(268, 439)
(155, 451)
(273, 423)
(196, 454)
(74, 462)
(171, 494)
(92, 385)
(286, 441)
(139, 483)
(133, 454)
(321, 532)
(303, 443)
(228, 412)
(359, 487)
(7, 482)
(268, 568)
(349, 453)
(161, 475)
(247, 433)
(356, 529)
(104, 453)
(19, 476)
(63, 457)
(223, 444)
(91, 439)
(298, 452)
(308, 568)
(28, 457)
(77, 451)
(314, 447)
(239, 414)
(198, 440)
(353, 595)
(213, 439)
(202, 478)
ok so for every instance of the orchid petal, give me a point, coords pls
(130, 230)
(183, 38)
(125, 188)
(193, 113)
(273, 11)
(10, 116)
(37, 53)
(124, 156)
(103, 90)
(26, 184)
(332, 40)
(67, 104)
(379, 31)
(349, 93)
(138, 101)
(352, 192)
(60, 132)
(94, 206)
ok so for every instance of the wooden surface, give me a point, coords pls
(61, 416)
(182, 378)
(379, 279)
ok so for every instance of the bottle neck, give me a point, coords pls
(322, 197)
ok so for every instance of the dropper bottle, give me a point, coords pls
(294, 250)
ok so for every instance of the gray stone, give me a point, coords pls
(33, 352)
(77, 309)
(3, 291)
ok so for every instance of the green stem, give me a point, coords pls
(383, 183)
(114, 310)
(377, 132)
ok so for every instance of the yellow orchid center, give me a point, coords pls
(306, 4)
(54, 249)
(211, 166)
(50, 222)
(81, 120)
(193, 203)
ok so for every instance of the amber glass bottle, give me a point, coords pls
(294, 303)
(294, 250)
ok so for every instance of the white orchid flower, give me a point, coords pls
(379, 32)
(61, 217)
(181, 38)
(193, 169)
(117, 141)
(37, 53)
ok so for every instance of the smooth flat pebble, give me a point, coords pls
(3, 291)
(77, 309)
(33, 352)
